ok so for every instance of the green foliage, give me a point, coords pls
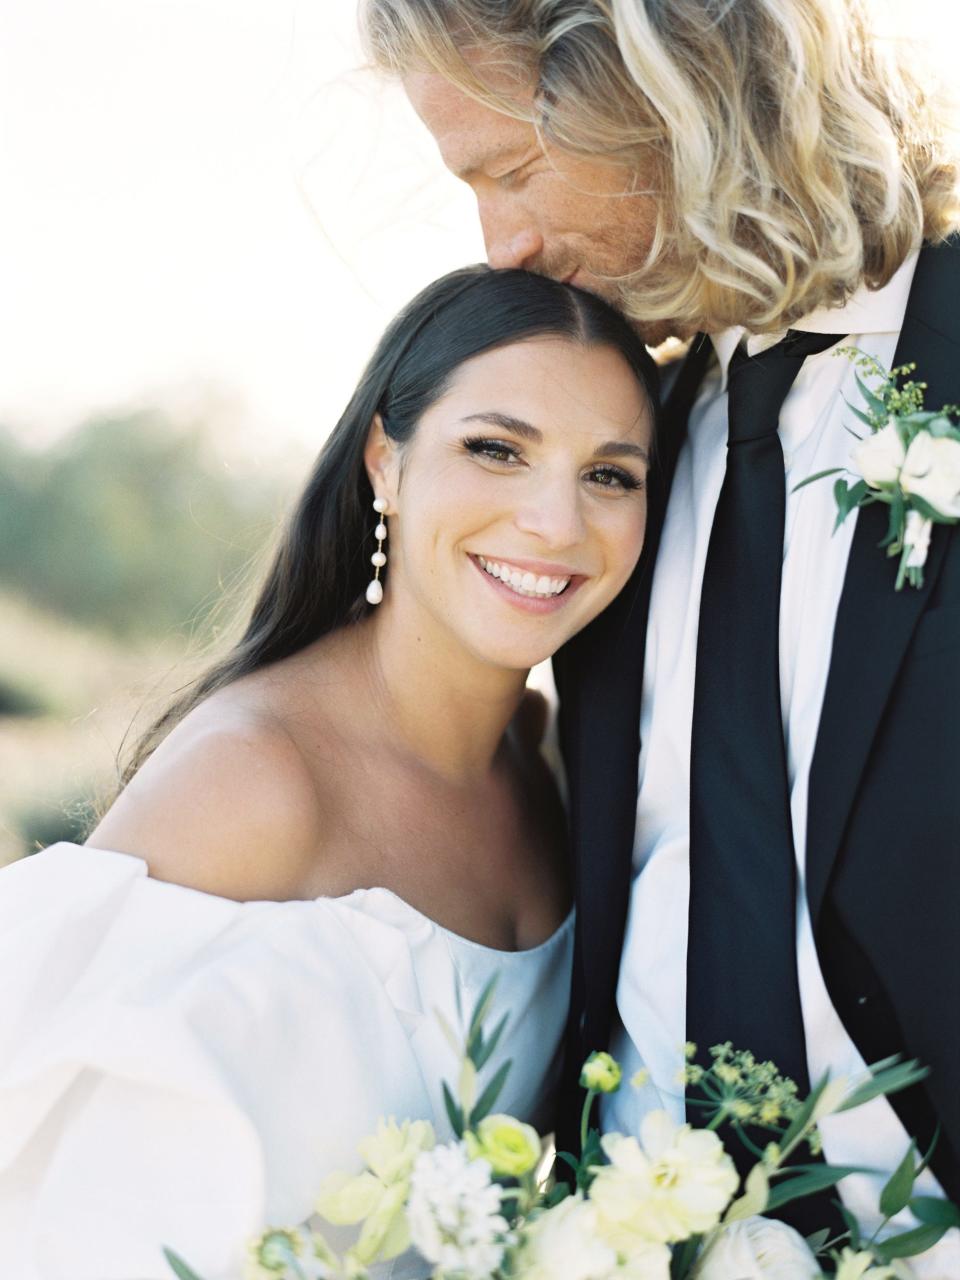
(180, 1268)
(127, 524)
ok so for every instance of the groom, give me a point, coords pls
(762, 735)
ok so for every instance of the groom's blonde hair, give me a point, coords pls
(792, 154)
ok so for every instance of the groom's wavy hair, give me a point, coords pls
(792, 154)
(318, 576)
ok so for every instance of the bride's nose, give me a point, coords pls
(553, 513)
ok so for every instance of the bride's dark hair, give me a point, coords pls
(319, 573)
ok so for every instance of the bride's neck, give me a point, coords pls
(441, 703)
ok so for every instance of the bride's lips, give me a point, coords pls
(531, 604)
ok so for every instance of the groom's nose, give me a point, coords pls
(507, 244)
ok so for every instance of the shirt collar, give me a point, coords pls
(865, 311)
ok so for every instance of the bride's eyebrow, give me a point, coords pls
(506, 422)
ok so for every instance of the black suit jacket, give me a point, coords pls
(883, 844)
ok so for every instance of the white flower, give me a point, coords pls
(646, 1261)
(454, 1213)
(676, 1184)
(758, 1249)
(879, 457)
(931, 471)
(916, 537)
(568, 1241)
(563, 1241)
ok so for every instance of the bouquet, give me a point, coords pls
(665, 1205)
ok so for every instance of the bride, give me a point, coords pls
(345, 825)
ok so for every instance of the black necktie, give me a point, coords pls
(741, 956)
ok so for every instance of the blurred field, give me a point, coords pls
(118, 549)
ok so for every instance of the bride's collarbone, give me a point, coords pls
(480, 860)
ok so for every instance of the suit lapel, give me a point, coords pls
(608, 658)
(874, 623)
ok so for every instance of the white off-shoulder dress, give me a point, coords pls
(180, 1069)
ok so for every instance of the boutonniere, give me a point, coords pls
(909, 459)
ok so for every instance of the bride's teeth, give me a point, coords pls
(525, 583)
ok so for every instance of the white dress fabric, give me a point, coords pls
(180, 1069)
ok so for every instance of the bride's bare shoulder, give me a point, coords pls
(227, 804)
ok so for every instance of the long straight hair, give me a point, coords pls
(319, 573)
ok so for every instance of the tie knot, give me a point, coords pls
(758, 385)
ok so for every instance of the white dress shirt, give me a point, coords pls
(814, 431)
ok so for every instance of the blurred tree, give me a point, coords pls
(128, 523)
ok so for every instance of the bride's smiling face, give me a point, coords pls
(517, 511)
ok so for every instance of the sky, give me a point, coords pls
(208, 205)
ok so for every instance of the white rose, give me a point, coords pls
(757, 1249)
(931, 471)
(879, 457)
(564, 1242)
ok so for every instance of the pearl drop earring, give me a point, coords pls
(378, 559)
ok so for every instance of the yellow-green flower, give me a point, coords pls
(602, 1073)
(852, 1265)
(269, 1255)
(509, 1147)
(391, 1151)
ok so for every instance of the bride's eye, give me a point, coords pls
(614, 478)
(492, 450)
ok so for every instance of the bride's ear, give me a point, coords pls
(381, 457)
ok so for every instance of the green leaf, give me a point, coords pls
(874, 403)
(928, 1154)
(818, 1239)
(180, 1268)
(453, 1111)
(481, 1009)
(908, 1243)
(802, 1118)
(899, 1187)
(808, 1179)
(864, 417)
(487, 1048)
(940, 426)
(857, 493)
(895, 525)
(491, 1093)
(935, 1212)
(556, 1194)
(853, 1227)
(884, 1080)
(820, 475)
(684, 1257)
